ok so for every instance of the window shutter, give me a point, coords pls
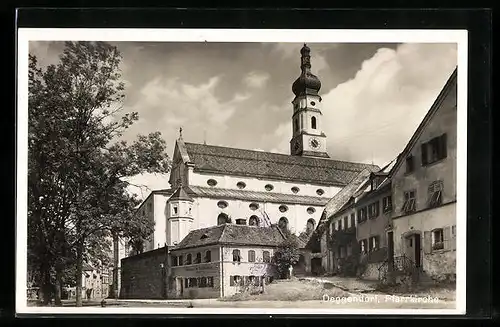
(443, 146)
(447, 238)
(423, 149)
(453, 241)
(427, 243)
(231, 280)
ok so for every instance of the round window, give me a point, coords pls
(212, 182)
(269, 187)
(222, 204)
(320, 192)
(313, 103)
(253, 206)
(295, 189)
(283, 208)
(311, 210)
(241, 185)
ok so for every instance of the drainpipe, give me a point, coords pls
(221, 257)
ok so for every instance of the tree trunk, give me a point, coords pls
(45, 287)
(59, 285)
(116, 262)
(79, 272)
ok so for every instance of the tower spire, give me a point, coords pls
(180, 133)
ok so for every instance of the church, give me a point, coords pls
(212, 186)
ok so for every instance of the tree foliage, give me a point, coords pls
(286, 255)
(77, 164)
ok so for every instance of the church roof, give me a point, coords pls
(275, 166)
(231, 234)
(222, 193)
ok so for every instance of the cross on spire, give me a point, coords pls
(180, 133)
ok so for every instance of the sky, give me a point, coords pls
(239, 94)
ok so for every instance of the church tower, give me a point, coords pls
(179, 216)
(308, 138)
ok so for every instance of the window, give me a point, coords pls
(310, 226)
(210, 282)
(339, 225)
(198, 257)
(374, 243)
(313, 103)
(175, 210)
(180, 260)
(353, 220)
(363, 246)
(222, 219)
(410, 165)
(320, 192)
(186, 282)
(212, 182)
(437, 239)
(222, 204)
(189, 259)
(409, 203)
(208, 256)
(295, 190)
(253, 221)
(311, 210)
(241, 185)
(434, 150)
(373, 210)
(296, 124)
(174, 261)
(346, 221)
(251, 256)
(235, 280)
(387, 204)
(283, 223)
(253, 206)
(266, 257)
(435, 190)
(313, 122)
(283, 208)
(241, 221)
(362, 214)
(236, 255)
(203, 282)
(269, 187)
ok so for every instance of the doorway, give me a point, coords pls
(179, 287)
(414, 248)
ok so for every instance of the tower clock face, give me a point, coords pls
(314, 143)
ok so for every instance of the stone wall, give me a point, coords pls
(143, 276)
(371, 271)
(441, 266)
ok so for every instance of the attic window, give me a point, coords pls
(295, 189)
(313, 103)
(320, 192)
(269, 187)
(241, 185)
(283, 208)
(311, 210)
(222, 204)
(253, 206)
(204, 236)
(212, 182)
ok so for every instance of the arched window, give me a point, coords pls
(310, 225)
(283, 223)
(251, 256)
(208, 256)
(180, 260)
(236, 255)
(223, 219)
(313, 122)
(189, 259)
(253, 221)
(198, 257)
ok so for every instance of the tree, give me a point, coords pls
(286, 255)
(77, 164)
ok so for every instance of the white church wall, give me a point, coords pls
(255, 184)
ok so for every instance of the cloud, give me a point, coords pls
(373, 115)
(256, 79)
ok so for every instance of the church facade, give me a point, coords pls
(212, 185)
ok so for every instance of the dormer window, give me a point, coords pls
(204, 236)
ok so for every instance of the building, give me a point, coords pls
(212, 262)
(424, 191)
(95, 283)
(228, 185)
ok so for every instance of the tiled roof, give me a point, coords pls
(223, 193)
(181, 194)
(232, 234)
(241, 162)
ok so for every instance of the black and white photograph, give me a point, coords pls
(241, 171)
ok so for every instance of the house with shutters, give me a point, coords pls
(424, 192)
